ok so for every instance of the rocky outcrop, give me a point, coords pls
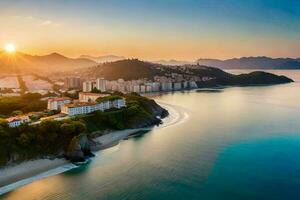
(79, 149)
(157, 113)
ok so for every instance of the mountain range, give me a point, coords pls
(54, 62)
(103, 59)
(25, 63)
(253, 63)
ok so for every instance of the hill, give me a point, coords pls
(132, 69)
(24, 63)
(252, 63)
(128, 69)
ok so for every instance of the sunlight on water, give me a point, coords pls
(240, 143)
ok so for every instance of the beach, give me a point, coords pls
(14, 176)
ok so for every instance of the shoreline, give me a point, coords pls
(15, 176)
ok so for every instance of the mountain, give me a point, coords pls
(132, 69)
(25, 63)
(174, 62)
(252, 63)
(103, 59)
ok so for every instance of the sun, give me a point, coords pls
(10, 48)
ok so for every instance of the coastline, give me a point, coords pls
(15, 176)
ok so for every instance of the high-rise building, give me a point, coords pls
(87, 86)
(72, 83)
(101, 84)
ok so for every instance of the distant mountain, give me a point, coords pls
(103, 59)
(174, 62)
(24, 63)
(132, 69)
(252, 63)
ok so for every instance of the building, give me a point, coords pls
(177, 86)
(82, 108)
(88, 86)
(90, 97)
(185, 84)
(136, 88)
(193, 84)
(166, 86)
(72, 83)
(57, 102)
(142, 88)
(17, 121)
(101, 84)
(118, 103)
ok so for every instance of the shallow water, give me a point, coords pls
(241, 143)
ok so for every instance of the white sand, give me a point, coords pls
(14, 173)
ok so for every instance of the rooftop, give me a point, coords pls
(59, 99)
(93, 94)
(17, 118)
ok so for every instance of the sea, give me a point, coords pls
(233, 143)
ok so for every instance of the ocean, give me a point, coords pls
(236, 143)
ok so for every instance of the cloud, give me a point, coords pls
(46, 23)
(37, 21)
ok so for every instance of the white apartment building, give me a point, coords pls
(193, 84)
(185, 84)
(17, 121)
(142, 88)
(166, 86)
(57, 102)
(136, 88)
(101, 84)
(86, 108)
(88, 86)
(177, 86)
(90, 97)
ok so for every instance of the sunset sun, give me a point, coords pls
(10, 48)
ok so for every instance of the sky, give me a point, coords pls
(153, 29)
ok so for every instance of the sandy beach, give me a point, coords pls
(14, 176)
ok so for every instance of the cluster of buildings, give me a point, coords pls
(139, 86)
(87, 103)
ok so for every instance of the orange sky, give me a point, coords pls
(164, 33)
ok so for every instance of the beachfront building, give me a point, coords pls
(177, 86)
(90, 97)
(166, 86)
(17, 121)
(193, 84)
(81, 108)
(57, 102)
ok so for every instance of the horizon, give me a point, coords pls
(157, 60)
(187, 30)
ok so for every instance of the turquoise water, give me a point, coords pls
(241, 143)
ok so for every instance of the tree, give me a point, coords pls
(17, 113)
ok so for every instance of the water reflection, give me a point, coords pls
(225, 150)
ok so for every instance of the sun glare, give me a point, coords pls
(10, 48)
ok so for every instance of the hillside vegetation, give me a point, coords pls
(53, 138)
